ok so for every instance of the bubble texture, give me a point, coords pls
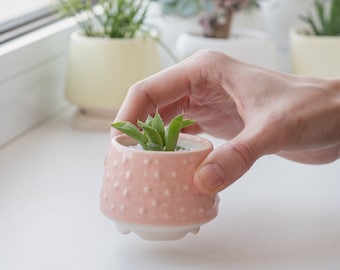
(154, 187)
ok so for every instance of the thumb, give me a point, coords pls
(227, 163)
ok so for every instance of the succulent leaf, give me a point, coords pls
(154, 136)
(158, 124)
(172, 133)
(132, 131)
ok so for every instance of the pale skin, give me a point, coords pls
(257, 112)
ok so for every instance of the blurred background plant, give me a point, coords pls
(324, 19)
(185, 8)
(216, 16)
(217, 22)
(113, 19)
(110, 18)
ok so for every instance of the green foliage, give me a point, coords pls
(184, 8)
(154, 135)
(111, 18)
(326, 20)
(188, 8)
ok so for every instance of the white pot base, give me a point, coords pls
(158, 233)
(242, 45)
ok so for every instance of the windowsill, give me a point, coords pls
(280, 215)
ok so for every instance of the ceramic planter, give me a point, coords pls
(315, 55)
(151, 193)
(251, 46)
(101, 70)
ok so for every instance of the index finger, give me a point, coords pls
(158, 90)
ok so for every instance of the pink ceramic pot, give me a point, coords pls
(151, 193)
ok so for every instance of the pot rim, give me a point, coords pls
(236, 34)
(123, 142)
(79, 36)
(299, 33)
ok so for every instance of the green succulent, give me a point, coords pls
(152, 134)
(326, 21)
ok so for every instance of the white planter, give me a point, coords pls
(315, 55)
(278, 17)
(101, 70)
(251, 46)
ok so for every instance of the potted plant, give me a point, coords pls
(113, 49)
(148, 180)
(217, 33)
(316, 45)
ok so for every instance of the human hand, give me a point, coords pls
(256, 111)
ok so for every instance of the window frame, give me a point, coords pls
(26, 23)
(29, 22)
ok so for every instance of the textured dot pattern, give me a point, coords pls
(154, 187)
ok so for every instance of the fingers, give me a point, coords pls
(229, 162)
(171, 87)
(159, 90)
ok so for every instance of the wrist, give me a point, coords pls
(334, 104)
(334, 89)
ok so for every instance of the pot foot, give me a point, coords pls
(158, 233)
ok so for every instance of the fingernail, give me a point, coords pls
(211, 176)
